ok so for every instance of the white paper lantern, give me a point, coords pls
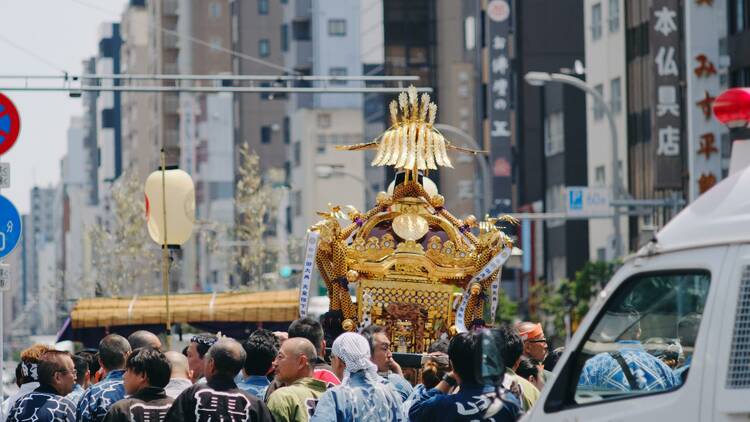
(180, 194)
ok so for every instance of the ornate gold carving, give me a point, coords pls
(414, 314)
(410, 246)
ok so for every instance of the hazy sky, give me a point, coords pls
(62, 32)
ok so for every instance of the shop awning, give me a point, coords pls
(258, 307)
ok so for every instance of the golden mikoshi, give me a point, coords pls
(408, 256)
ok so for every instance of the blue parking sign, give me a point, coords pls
(10, 226)
(575, 199)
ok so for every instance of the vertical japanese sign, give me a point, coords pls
(667, 116)
(703, 85)
(499, 101)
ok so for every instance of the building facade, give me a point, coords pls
(606, 72)
(138, 149)
(547, 144)
(324, 41)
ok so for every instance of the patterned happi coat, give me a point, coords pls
(97, 400)
(149, 404)
(218, 400)
(42, 405)
(603, 373)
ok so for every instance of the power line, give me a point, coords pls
(198, 41)
(32, 54)
(205, 89)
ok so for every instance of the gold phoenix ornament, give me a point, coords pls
(412, 142)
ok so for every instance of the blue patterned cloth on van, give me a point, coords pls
(603, 372)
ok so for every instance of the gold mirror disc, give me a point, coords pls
(410, 226)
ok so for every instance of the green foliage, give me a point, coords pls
(572, 297)
(507, 310)
(124, 258)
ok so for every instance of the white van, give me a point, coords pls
(684, 297)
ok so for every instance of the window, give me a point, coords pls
(614, 15)
(324, 120)
(470, 29)
(596, 21)
(301, 30)
(338, 71)
(600, 176)
(643, 340)
(738, 16)
(297, 154)
(215, 43)
(297, 203)
(417, 55)
(214, 9)
(284, 37)
(321, 147)
(287, 133)
(465, 189)
(598, 110)
(265, 134)
(264, 48)
(554, 134)
(615, 94)
(262, 7)
(336, 27)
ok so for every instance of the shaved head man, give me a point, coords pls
(294, 367)
(181, 376)
(219, 398)
(143, 338)
(294, 360)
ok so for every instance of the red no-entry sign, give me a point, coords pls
(10, 124)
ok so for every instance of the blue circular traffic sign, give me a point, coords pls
(10, 226)
(10, 123)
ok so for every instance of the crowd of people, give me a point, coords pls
(284, 376)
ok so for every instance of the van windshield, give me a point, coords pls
(644, 339)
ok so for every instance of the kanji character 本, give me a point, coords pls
(665, 63)
(499, 128)
(706, 182)
(705, 105)
(665, 21)
(669, 141)
(705, 67)
(500, 87)
(667, 101)
(707, 145)
(500, 65)
(498, 42)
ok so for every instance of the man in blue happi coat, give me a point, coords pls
(363, 395)
(47, 403)
(480, 374)
(629, 367)
(96, 401)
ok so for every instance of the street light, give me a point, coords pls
(483, 166)
(541, 78)
(327, 171)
